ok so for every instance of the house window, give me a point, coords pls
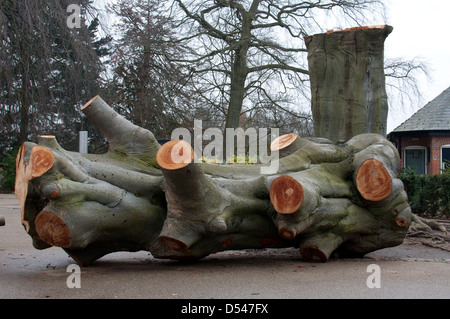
(445, 157)
(415, 159)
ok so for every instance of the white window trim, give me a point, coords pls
(442, 160)
(408, 148)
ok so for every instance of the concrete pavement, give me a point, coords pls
(408, 271)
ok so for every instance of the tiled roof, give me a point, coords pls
(434, 116)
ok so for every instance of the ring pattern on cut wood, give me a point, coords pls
(373, 181)
(286, 195)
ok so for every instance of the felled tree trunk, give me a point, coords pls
(323, 198)
(347, 77)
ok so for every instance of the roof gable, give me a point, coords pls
(434, 116)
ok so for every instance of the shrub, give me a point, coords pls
(8, 170)
(428, 194)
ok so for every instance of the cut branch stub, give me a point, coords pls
(40, 161)
(319, 247)
(286, 233)
(187, 192)
(52, 230)
(404, 218)
(21, 183)
(122, 135)
(286, 195)
(373, 181)
(284, 144)
(313, 253)
(175, 155)
(401, 222)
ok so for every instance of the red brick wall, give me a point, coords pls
(432, 144)
(437, 142)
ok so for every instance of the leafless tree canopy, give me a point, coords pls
(248, 57)
(403, 80)
(147, 86)
(47, 69)
(227, 62)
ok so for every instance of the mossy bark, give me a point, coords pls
(347, 77)
(92, 205)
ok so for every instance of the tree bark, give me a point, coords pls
(239, 70)
(324, 197)
(347, 77)
(237, 88)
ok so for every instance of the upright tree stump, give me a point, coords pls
(347, 77)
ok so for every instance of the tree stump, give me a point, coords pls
(347, 77)
(325, 197)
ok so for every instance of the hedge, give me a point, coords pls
(8, 170)
(428, 195)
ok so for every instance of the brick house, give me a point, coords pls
(423, 141)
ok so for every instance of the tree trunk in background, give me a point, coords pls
(348, 82)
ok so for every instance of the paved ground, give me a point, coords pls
(408, 271)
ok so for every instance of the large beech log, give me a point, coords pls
(347, 77)
(324, 197)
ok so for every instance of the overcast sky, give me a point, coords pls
(420, 30)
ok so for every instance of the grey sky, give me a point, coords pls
(420, 30)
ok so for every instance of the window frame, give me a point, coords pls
(417, 147)
(442, 155)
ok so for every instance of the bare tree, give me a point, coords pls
(46, 68)
(241, 51)
(403, 80)
(148, 87)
